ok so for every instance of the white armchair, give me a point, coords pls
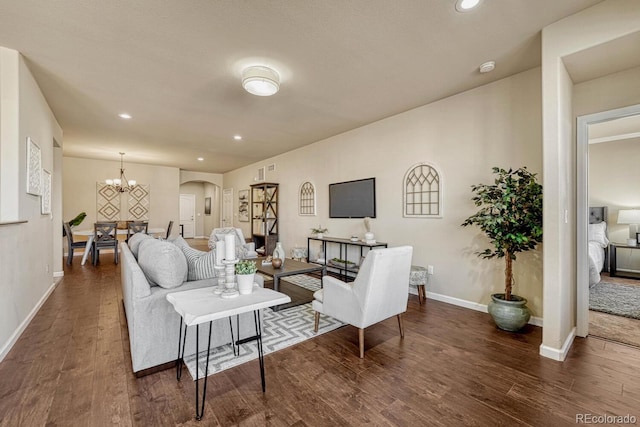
(244, 250)
(380, 291)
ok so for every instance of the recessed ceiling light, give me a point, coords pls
(124, 116)
(466, 5)
(488, 67)
(237, 137)
(200, 159)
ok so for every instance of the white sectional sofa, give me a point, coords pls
(153, 323)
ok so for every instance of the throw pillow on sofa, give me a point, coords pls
(163, 263)
(178, 241)
(200, 264)
(135, 240)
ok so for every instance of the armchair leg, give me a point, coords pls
(401, 325)
(316, 321)
(361, 340)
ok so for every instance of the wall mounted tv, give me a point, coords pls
(353, 199)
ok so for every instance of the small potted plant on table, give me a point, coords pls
(510, 215)
(319, 231)
(245, 272)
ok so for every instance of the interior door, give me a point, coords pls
(227, 207)
(187, 215)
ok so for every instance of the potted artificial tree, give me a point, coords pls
(510, 215)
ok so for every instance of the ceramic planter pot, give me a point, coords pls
(245, 283)
(509, 315)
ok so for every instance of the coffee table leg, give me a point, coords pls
(206, 372)
(181, 351)
(256, 319)
(233, 340)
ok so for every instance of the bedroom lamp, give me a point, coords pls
(631, 217)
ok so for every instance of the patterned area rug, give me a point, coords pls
(280, 329)
(621, 300)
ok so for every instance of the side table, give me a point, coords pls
(199, 306)
(613, 263)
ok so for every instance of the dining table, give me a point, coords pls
(90, 235)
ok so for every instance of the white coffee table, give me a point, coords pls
(199, 306)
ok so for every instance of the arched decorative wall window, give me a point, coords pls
(422, 192)
(307, 199)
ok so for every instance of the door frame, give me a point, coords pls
(582, 208)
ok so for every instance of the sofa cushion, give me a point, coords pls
(200, 264)
(163, 263)
(178, 241)
(135, 240)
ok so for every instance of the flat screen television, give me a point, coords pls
(353, 199)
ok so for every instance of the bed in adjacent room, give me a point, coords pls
(598, 243)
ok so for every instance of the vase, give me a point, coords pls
(278, 252)
(319, 235)
(245, 283)
(369, 236)
(510, 315)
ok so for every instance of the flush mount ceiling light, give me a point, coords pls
(125, 116)
(260, 80)
(488, 67)
(466, 5)
(237, 137)
(201, 159)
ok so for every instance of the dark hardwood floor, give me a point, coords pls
(71, 367)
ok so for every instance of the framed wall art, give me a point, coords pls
(34, 168)
(45, 198)
(243, 205)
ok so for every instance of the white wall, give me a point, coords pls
(80, 177)
(26, 263)
(601, 23)
(464, 136)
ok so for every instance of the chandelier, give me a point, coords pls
(121, 184)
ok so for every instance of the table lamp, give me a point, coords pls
(631, 217)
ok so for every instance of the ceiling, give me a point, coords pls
(175, 66)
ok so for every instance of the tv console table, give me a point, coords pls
(343, 246)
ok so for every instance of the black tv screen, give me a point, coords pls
(353, 199)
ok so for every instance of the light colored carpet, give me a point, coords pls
(280, 329)
(613, 298)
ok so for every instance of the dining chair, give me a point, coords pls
(106, 237)
(134, 227)
(379, 291)
(169, 227)
(72, 245)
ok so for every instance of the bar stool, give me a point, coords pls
(419, 278)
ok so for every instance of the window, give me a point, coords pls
(307, 199)
(422, 192)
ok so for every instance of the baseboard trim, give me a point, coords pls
(16, 334)
(558, 354)
(536, 321)
(58, 274)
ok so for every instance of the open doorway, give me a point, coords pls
(608, 260)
